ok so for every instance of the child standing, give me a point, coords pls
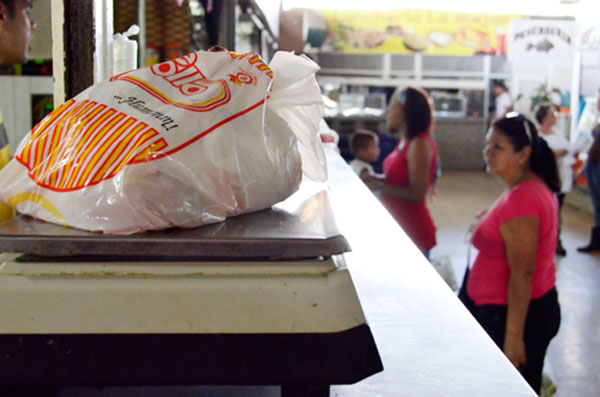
(364, 144)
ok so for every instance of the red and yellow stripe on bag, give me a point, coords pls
(84, 143)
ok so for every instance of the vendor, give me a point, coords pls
(502, 102)
(16, 29)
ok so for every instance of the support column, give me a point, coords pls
(79, 44)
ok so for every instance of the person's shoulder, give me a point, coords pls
(424, 141)
(358, 166)
(423, 137)
(505, 97)
(357, 161)
(550, 138)
(529, 198)
(531, 192)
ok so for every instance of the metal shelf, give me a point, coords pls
(389, 70)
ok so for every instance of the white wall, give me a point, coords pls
(590, 72)
(15, 103)
(41, 45)
(542, 52)
(528, 77)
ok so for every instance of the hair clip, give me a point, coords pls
(516, 115)
(527, 131)
(400, 95)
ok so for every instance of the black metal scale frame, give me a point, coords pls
(304, 364)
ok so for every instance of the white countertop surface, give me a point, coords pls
(429, 343)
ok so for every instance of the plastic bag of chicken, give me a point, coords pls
(183, 143)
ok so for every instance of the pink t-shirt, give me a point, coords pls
(488, 280)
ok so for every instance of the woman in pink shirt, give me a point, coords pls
(510, 288)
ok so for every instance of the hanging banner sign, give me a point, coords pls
(409, 31)
(540, 41)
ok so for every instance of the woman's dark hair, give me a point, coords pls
(499, 83)
(541, 112)
(10, 4)
(521, 132)
(417, 112)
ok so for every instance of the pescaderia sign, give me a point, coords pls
(411, 31)
(544, 30)
(539, 41)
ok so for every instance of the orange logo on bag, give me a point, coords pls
(183, 74)
(82, 144)
(253, 59)
(242, 78)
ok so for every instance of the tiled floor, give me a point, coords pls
(573, 359)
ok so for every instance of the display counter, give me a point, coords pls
(346, 125)
(428, 342)
(460, 143)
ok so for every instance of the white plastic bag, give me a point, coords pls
(582, 139)
(182, 143)
(443, 266)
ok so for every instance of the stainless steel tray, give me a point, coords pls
(300, 227)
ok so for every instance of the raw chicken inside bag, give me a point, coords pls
(183, 143)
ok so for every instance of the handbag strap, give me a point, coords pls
(469, 256)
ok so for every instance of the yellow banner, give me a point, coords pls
(409, 31)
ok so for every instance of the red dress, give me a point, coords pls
(414, 218)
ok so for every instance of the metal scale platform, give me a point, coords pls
(260, 299)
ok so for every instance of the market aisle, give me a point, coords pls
(573, 359)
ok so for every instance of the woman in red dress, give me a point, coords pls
(411, 168)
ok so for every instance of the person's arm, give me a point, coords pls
(561, 153)
(419, 159)
(371, 181)
(520, 236)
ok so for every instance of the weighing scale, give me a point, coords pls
(259, 299)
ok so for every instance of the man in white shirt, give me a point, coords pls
(565, 157)
(502, 104)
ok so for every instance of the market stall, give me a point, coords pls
(322, 289)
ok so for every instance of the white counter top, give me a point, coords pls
(429, 343)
